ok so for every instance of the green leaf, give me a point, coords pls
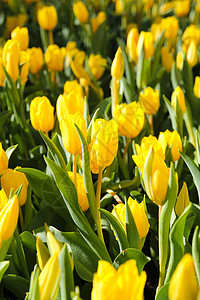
(163, 293)
(131, 229)
(4, 116)
(89, 129)
(17, 285)
(28, 240)
(4, 248)
(140, 68)
(157, 55)
(10, 150)
(129, 91)
(118, 229)
(131, 253)
(175, 115)
(196, 251)
(57, 140)
(11, 86)
(34, 291)
(176, 77)
(197, 146)
(3, 267)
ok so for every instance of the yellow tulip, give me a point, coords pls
(82, 197)
(54, 58)
(170, 26)
(192, 55)
(11, 57)
(117, 67)
(42, 114)
(132, 40)
(97, 21)
(42, 253)
(97, 65)
(124, 283)
(182, 8)
(21, 35)
(167, 59)
(101, 17)
(150, 100)
(129, 118)
(173, 140)
(156, 30)
(73, 86)
(24, 59)
(184, 284)
(81, 12)
(183, 200)
(71, 140)
(146, 39)
(79, 57)
(197, 87)
(3, 199)
(53, 244)
(104, 145)
(71, 50)
(47, 17)
(12, 179)
(36, 59)
(178, 93)
(79, 71)
(3, 159)
(179, 60)
(192, 32)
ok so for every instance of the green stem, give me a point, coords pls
(75, 169)
(98, 195)
(21, 255)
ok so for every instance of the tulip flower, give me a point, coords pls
(11, 57)
(3, 159)
(170, 26)
(150, 100)
(21, 35)
(184, 284)
(117, 68)
(79, 71)
(179, 60)
(41, 114)
(54, 58)
(156, 30)
(183, 200)
(97, 65)
(42, 253)
(47, 17)
(182, 8)
(79, 57)
(132, 40)
(178, 93)
(124, 283)
(146, 39)
(81, 12)
(12, 179)
(97, 21)
(36, 59)
(167, 59)
(82, 197)
(197, 87)
(53, 244)
(73, 86)
(71, 50)
(192, 55)
(173, 140)
(25, 68)
(192, 32)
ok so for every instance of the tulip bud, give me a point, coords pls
(184, 284)
(21, 35)
(146, 39)
(11, 56)
(42, 253)
(71, 139)
(49, 278)
(41, 114)
(36, 59)
(197, 87)
(117, 68)
(53, 244)
(101, 17)
(8, 218)
(25, 68)
(192, 32)
(94, 24)
(182, 8)
(81, 12)
(132, 40)
(73, 86)
(183, 200)
(178, 93)
(3, 159)
(53, 58)
(173, 140)
(192, 56)
(12, 179)
(97, 65)
(97, 21)
(150, 100)
(179, 60)
(47, 17)
(129, 118)
(3, 199)
(167, 59)
(79, 71)
(82, 197)
(79, 57)
(156, 30)
(170, 26)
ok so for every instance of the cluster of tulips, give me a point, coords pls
(100, 150)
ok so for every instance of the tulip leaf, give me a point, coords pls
(140, 68)
(3, 267)
(157, 55)
(4, 248)
(56, 155)
(129, 92)
(11, 90)
(10, 150)
(89, 129)
(175, 115)
(69, 195)
(163, 293)
(28, 240)
(131, 229)
(131, 253)
(34, 291)
(194, 171)
(176, 239)
(57, 140)
(197, 146)
(66, 278)
(196, 211)
(17, 285)
(176, 77)
(196, 251)
(118, 229)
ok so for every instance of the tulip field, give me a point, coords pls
(100, 149)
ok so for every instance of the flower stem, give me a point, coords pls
(98, 195)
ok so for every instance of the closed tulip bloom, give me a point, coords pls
(69, 104)
(53, 244)
(11, 57)
(73, 86)
(178, 93)
(3, 159)
(101, 17)
(97, 21)
(192, 55)
(150, 100)
(197, 87)
(42, 114)
(71, 139)
(53, 58)
(129, 118)
(47, 17)
(21, 35)
(182, 8)
(183, 200)
(167, 59)
(117, 67)
(79, 57)
(12, 179)
(156, 30)
(79, 71)
(104, 145)
(179, 60)
(97, 65)
(184, 284)
(170, 26)
(146, 39)
(81, 12)
(36, 59)
(82, 197)
(3, 199)
(124, 283)
(192, 32)
(49, 278)
(8, 218)
(42, 253)
(94, 24)
(24, 59)
(172, 140)
(132, 40)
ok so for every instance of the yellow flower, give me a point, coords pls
(71, 140)
(54, 58)
(79, 71)
(156, 30)
(132, 40)
(97, 21)
(3, 159)
(182, 8)
(146, 39)
(21, 35)
(183, 200)
(124, 283)
(97, 65)
(12, 179)
(24, 59)
(173, 140)
(192, 32)
(150, 100)
(47, 17)
(81, 12)
(179, 60)
(129, 118)
(166, 7)
(73, 86)
(53, 244)
(101, 17)
(178, 93)
(8, 218)
(36, 59)
(69, 104)
(41, 114)
(49, 278)
(104, 144)
(184, 284)
(71, 50)
(14, 21)
(11, 56)
(167, 59)
(192, 55)
(197, 87)
(79, 57)
(82, 197)
(117, 67)
(170, 26)
(42, 253)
